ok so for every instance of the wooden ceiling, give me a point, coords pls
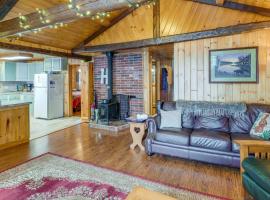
(176, 17)
(29, 6)
(259, 3)
(70, 36)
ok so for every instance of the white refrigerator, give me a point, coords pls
(49, 96)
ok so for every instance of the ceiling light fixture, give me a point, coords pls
(16, 56)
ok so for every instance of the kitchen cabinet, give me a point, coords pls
(55, 64)
(22, 72)
(27, 71)
(31, 71)
(14, 125)
(47, 65)
(8, 71)
(39, 67)
(34, 68)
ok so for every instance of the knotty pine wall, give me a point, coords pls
(191, 70)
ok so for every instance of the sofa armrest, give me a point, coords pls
(152, 124)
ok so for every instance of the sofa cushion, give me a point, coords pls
(259, 171)
(212, 123)
(171, 119)
(240, 136)
(211, 140)
(168, 105)
(261, 127)
(255, 109)
(174, 136)
(187, 120)
(240, 124)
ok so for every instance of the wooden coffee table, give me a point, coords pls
(137, 131)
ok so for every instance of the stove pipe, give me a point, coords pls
(110, 75)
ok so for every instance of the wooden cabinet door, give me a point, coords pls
(14, 126)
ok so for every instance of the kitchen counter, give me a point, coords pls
(15, 92)
(13, 104)
(14, 124)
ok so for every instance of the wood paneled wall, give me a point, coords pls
(191, 70)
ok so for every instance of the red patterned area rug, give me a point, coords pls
(54, 177)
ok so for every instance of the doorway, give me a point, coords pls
(76, 85)
(161, 76)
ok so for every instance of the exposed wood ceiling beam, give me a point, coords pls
(156, 19)
(6, 6)
(17, 47)
(236, 6)
(61, 13)
(105, 28)
(224, 31)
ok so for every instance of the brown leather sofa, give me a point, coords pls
(206, 139)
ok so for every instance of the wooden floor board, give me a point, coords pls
(82, 143)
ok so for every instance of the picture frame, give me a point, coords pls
(237, 65)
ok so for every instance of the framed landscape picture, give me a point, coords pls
(234, 65)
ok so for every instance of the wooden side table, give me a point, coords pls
(260, 148)
(137, 131)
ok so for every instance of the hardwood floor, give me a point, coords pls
(82, 143)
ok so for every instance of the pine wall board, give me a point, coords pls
(191, 70)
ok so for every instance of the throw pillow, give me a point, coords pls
(261, 127)
(170, 119)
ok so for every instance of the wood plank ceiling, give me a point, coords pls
(138, 25)
(28, 6)
(194, 17)
(74, 33)
(259, 3)
(70, 36)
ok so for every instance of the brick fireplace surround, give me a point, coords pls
(127, 78)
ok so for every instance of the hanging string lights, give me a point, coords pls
(43, 16)
(77, 9)
(148, 3)
(23, 21)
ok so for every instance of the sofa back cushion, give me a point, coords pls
(188, 120)
(212, 123)
(168, 105)
(240, 124)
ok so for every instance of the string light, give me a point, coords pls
(23, 21)
(77, 9)
(148, 3)
(43, 16)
